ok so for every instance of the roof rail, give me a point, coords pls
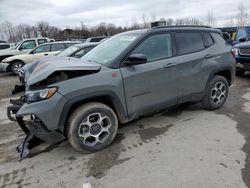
(173, 26)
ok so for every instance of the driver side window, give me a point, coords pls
(155, 47)
(28, 45)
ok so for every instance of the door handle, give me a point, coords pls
(208, 56)
(46, 54)
(169, 65)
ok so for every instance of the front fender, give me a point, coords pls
(106, 97)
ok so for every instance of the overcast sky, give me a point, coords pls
(65, 13)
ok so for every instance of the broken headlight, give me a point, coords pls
(39, 95)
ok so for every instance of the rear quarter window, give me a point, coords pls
(209, 41)
(188, 42)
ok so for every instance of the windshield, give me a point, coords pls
(110, 49)
(68, 51)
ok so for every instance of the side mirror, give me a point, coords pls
(242, 39)
(136, 59)
(20, 48)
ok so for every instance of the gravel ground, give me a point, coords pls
(185, 147)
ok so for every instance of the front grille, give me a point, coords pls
(245, 51)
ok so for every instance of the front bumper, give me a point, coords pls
(37, 131)
(4, 67)
(243, 63)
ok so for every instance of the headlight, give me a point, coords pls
(39, 95)
(235, 52)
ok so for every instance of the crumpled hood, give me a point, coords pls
(49, 65)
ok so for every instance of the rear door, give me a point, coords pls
(191, 66)
(154, 84)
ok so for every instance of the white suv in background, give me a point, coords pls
(24, 47)
(14, 63)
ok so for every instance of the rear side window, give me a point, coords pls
(208, 39)
(57, 47)
(188, 42)
(41, 41)
(155, 47)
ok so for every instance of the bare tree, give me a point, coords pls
(169, 21)
(7, 30)
(231, 22)
(145, 22)
(210, 19)
(242, 16)
(153, 17)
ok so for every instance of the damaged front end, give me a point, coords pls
(36, 132)
(38, 112)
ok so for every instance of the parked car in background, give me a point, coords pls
(123, 78)
(95, 39)
(241, 53)
(77, 51)
(242, 35)
(4, 46)
(14, 63)
(23, 47)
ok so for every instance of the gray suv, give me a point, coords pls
(126, 76)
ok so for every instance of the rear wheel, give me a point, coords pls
(16, 66)
(240, 72)
(92, 127)
(216, 93)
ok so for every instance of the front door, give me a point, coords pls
(154, 84)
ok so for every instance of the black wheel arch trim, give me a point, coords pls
(74, 102)
(216, 71)
(16, 60)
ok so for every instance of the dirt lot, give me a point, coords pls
(185, 147)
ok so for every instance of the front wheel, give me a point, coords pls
(16, 66)
(216, 93)
(92, 127)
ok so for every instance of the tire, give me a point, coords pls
(240, 72)
(216, 93)
(84, 132)
(15, 66)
